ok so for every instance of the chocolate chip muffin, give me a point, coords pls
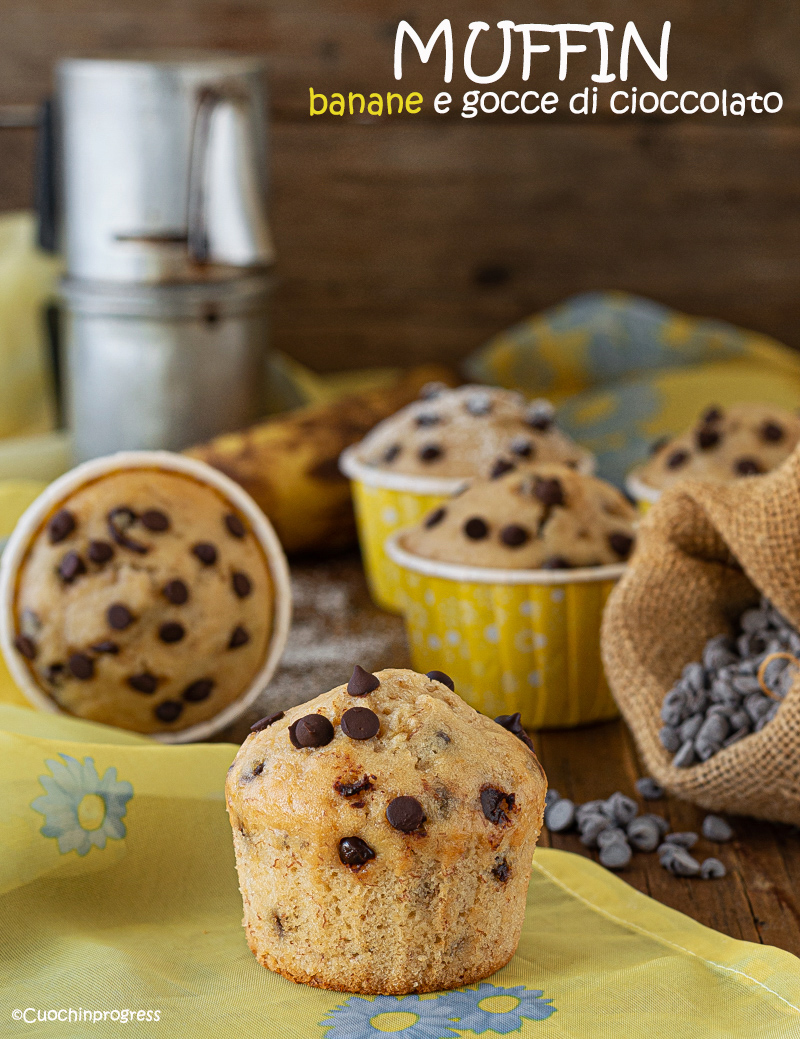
(468, 432)
(725, 444)
(384, 834)
(544, 517)
(144, 600)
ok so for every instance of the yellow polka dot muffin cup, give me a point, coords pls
(642, 493)
(511, 640)
(57, 493)
(388, 502)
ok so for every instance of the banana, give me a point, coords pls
(290, 463)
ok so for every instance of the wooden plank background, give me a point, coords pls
(418, 237)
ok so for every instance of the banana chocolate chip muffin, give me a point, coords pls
(468, 432)
(726, 443)
(144, 600)
(384, 834)
(544, 517)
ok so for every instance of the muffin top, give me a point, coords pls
(542, 517)
(468, 432)
(743, 440)
(389, 766)
(144, 601)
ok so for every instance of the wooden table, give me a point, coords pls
(336, 626)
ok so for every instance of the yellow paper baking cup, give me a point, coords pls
(387, 502)
(642, 493)
(511, 640)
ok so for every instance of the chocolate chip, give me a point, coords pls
(747, 467)
(548, 491)
(772, 432)
(440, 676)
(476, 529)
(541, 416)
(313, 731)
(620, 543)
(205, 552)
(435, 518)
(426, 420)
(521, 447)
(677, 459)
(500, 468)
(176, 592)
(501, 870)
(171, 632)
(430, 452)
(496, 804)
(351, 789)
(359, 723)
(106, 646)
(26, 646)
(479, 404)
(119, 617)
(60, 526)
(144, 682)
(514, 536)
(100, 552)
(242, 585)
(265, 723)
(556, 563)
(120, 520)
(513, 722)
(239, 637)
(707, 437)
(169, 710)
(405, 814)
(293, 735)
(712, 414)
(658, 445)
(155, 520)
(362, 682)
(70, 567)
(235, 525)
(54, 673)
(258, 769)
(391, 453)
(81, 666)
(199, 690)
(353, 851)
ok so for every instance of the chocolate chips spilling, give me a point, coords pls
(435, 518)
(548, 491)
(513, 722)
(119, 617)
(100, 552)
(514, 536)
(496, 805)
(60, 526)
(241, 584)
(476, 529)
(362, 682)
(155, 520)
(205, 552)
(239, 637)
(144, 682)
(176, 592)
(199, 690)
(81, 666)
(120, 521)
(169, 710)
(405, 814)
(440, 676)
(361, 786)
(265, 723)
(70, 567)
(171, 632)
(359, 723)
(313, 731)
(353, 851)
(26, 646)
(235, 526)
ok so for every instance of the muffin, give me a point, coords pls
(725, 444)
(544, 517)
(384, 834)
(504, 587)
(413, 461)
(143, 597)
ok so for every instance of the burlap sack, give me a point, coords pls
(705, 553)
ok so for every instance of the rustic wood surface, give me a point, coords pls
(336, 626)
(419, 237)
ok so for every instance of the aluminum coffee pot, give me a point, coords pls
(162, 167)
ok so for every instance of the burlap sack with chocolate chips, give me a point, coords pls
(705, 552)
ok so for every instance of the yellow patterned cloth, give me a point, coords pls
(119, 900)
(626, 371)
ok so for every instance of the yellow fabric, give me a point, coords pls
(151, 922)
